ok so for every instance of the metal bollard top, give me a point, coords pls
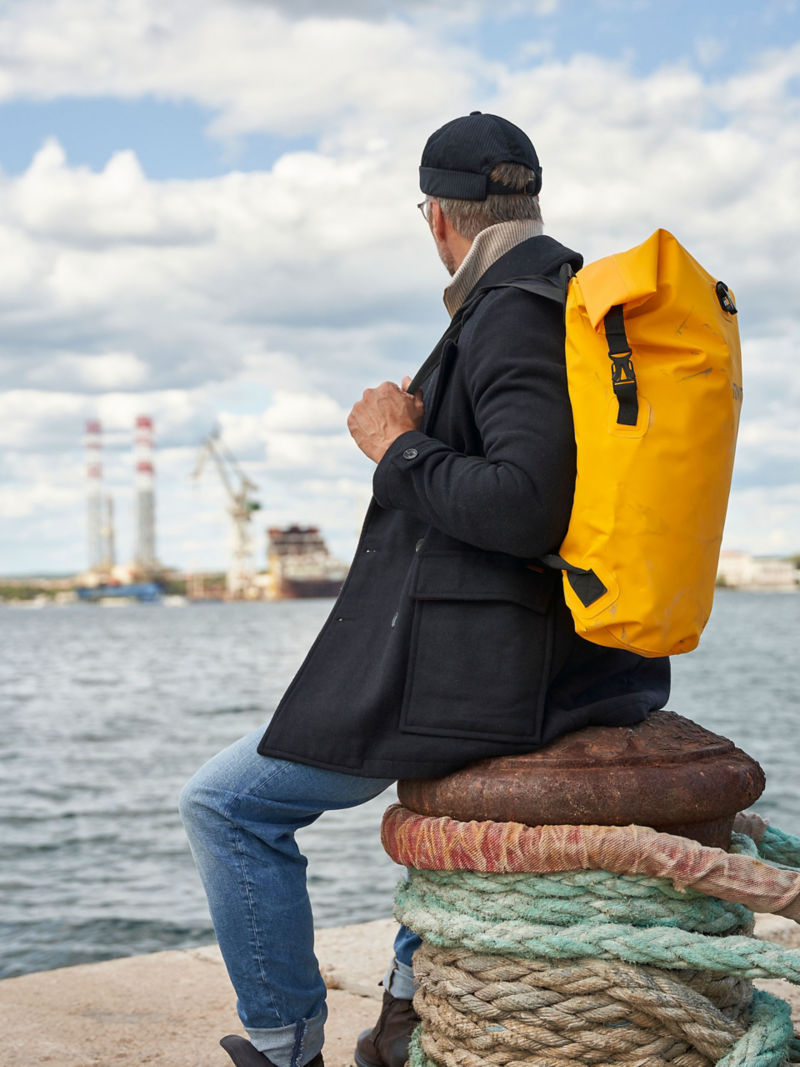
(666, 772)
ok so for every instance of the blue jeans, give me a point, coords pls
(241, 811)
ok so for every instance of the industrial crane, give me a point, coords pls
(240, 508)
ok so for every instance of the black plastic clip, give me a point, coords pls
(725, 299)
(623, 372)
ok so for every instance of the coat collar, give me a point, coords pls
(538, 255)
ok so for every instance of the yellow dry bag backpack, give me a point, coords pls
(655, 382)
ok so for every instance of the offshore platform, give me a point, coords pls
(106, 578)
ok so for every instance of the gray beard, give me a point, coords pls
(446, 256)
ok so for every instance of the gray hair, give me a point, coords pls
(469, 217)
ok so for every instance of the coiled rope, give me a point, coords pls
(559, 967)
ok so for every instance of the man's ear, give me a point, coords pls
(438, 221)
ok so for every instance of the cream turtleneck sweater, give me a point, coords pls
(486, 249)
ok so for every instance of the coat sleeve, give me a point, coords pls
(518, 499)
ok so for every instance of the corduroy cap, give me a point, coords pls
(458, 159)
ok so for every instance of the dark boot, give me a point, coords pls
(386, 1044)
(244, 1054)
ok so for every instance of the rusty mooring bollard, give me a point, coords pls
(667, 773)
(547, 945)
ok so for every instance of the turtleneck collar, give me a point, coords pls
(486, 249)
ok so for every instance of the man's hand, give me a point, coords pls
(382, 415)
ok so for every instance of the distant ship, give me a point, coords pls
(301, 566)
(143, 592)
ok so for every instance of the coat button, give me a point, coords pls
(410, 453)
(419, 544)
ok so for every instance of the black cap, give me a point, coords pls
(458, 158)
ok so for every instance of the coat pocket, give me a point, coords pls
(480, 649)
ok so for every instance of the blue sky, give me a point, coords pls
(169, 138)
(208, 215)
(711, 36)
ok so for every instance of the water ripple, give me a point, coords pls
(104, 716)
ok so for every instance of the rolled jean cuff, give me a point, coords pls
(399, 980)
(293, 1045)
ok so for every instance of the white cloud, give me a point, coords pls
(117, 205)
(26, 414)
(299, 411)
(764, 520)
(23, 502)
(261, 69)
(112, 370)
(269, 300)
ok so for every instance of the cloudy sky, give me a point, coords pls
(207, 214)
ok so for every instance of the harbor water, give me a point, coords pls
(105, 713)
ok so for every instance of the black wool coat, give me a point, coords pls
(448, 642)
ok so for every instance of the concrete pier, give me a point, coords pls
(169, 1009)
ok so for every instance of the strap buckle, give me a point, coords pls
(622, 373)
(623, 376)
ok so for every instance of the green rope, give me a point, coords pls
(743, 845)
(770, 1037)
(778, 847)
(660, 946)
(416, 1053)
(570, 897)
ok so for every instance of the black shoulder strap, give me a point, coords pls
(549, 288)
(623, 376)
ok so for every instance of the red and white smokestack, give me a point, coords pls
(145, 553)
(143, 452)
(94, 453)
(94, 488)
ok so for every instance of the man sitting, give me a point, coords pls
(449, 641)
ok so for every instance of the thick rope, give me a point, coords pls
(588, 966)
(773, 845)
(778, 847)
(567, 997)
(763, 1045)
(445, 844)
(660, 946)
(566, 898)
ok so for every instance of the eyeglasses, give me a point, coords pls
(424, 210)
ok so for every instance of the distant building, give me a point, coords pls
(743, 571)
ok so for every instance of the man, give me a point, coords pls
(449, 641)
